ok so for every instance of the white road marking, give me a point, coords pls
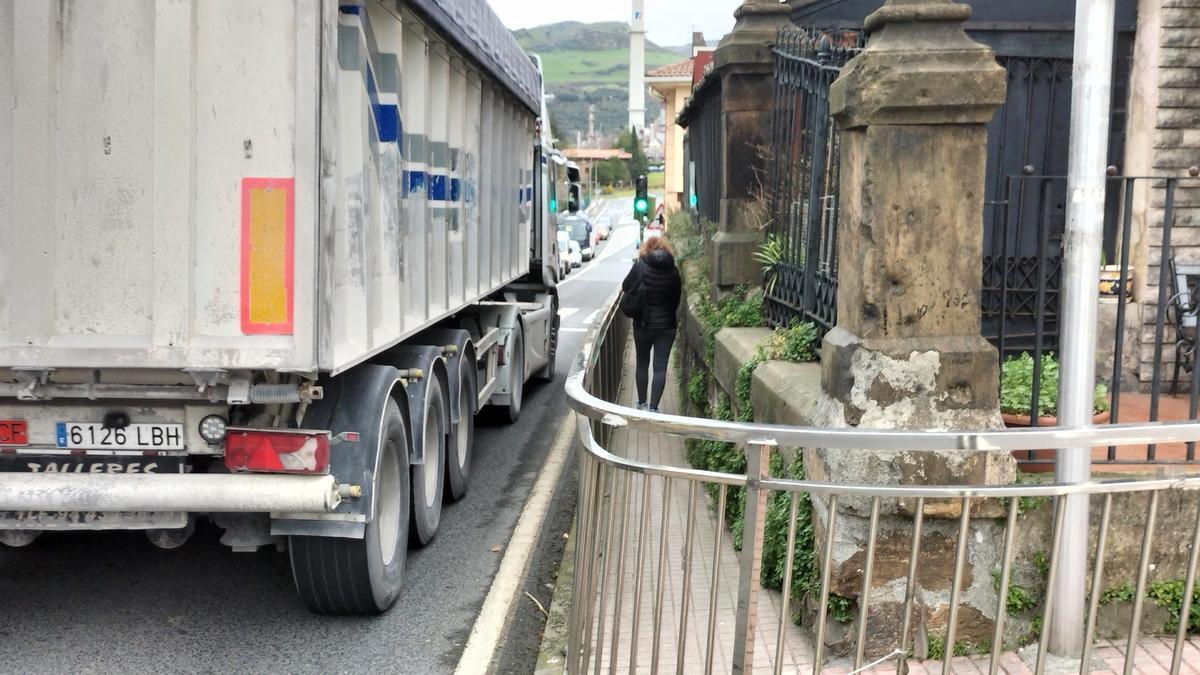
(590, 318)
(573, 330)
(620, 241)
(567, 311)
(489, 627)
(576, 275)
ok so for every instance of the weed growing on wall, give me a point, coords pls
(799, 343)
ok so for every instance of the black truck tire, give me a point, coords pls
(363, 576)
(462, 437)
(546, 373)
(429, 479)
(517, 372)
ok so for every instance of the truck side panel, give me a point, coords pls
(419, 128)
(129, 127)
(248, 185)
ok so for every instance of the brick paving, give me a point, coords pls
(710, 548)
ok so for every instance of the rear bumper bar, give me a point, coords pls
(203, 493)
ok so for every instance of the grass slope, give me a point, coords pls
(610, 66)
(588, 64)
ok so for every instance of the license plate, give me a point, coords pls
(14, 432)
(140, 436)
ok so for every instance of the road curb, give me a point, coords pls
(552, 653)
(485, 636)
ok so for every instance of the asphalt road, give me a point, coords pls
(109, 602)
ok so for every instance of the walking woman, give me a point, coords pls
(656, 321)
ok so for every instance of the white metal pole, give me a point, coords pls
(1087, 159)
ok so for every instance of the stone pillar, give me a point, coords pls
(745, 66)
(907, 351)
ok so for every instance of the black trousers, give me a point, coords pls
(657, 344)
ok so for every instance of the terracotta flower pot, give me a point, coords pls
(1042, 461)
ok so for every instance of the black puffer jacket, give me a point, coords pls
(660, 279)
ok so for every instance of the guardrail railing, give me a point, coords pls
(603, 635)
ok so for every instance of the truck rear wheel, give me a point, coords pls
(546, 374)
(363, 576)
(517, 373)
(462, 440)
(429, 478)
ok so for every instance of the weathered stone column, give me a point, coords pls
(907, 351)
(745, 66)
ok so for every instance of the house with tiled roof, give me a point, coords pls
(672, 84)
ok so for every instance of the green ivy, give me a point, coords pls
(1042, 563)
(839, 608)
(1169, 596)
(1026, 504)
(1018, 599)
(745, 385)
(796, 344)
(697, 392)
(744, 309)
(1124, 592)
(687, 235)
(741, 309)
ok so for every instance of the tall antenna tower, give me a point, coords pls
(637, 66)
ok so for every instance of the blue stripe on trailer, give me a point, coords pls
(387, 116)
(437, 187)
(415, 180)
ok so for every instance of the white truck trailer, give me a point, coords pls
(262, 261)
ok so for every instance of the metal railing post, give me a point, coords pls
(758, 461)
(1087, 163)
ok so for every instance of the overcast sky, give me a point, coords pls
(668, 22)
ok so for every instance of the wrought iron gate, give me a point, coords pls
(1023, 228)
(803, 188)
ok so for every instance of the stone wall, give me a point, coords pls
(787, 393)
(1163, 139)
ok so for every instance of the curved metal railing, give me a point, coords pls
(609, 495)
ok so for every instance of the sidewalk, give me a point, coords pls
(661, 449)
(1153, 656)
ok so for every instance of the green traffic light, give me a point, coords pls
(641, 205)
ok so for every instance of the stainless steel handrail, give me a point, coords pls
(612, 486)
(1048, 438)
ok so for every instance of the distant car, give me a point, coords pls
(564, 255)
(604, 228)
(574, 254)
(580, 230)
(655, 168)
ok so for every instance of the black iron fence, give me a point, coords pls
(803, 182)
(1145, 350)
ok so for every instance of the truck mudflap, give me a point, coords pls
(185, 493)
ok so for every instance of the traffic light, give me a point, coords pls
(641, 203)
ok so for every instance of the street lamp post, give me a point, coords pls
(1087, 158)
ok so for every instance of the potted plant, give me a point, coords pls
(1016, 402)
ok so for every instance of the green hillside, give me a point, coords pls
(588, 64)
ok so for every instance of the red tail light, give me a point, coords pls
(276, 451)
